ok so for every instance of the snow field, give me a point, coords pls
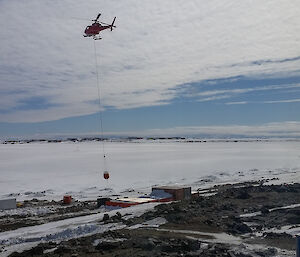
(50, 170)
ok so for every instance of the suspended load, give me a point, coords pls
(106, 175)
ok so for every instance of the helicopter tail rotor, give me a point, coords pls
(112, 25)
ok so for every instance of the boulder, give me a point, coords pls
(105, 217)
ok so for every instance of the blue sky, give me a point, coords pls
(170, 67)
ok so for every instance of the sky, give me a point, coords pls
(171, 67)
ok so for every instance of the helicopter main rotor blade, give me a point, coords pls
(98, 16)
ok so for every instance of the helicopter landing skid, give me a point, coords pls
(97, 38)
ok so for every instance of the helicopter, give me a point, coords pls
(94, 29)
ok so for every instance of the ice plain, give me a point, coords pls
(50, 170)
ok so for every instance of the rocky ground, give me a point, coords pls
(239, 220)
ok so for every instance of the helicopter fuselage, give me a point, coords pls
(94, 29)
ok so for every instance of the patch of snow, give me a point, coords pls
(50, 250)
(237, 246)
(68, 228)
(154, 223)
(286, 207)
(249, 215)
(110, 240)
(29, 211)
(253, 214)
(216, 237)
(293, 230)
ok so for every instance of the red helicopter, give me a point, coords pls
(94, 29)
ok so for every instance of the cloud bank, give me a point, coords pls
(47, 68)
(289, 129)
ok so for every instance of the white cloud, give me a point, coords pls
(247, 90)
(232, 103)
(277, 129)
(283, 101)
(211, 95)
(287, 129)
(212, 98)
(266, 102)
(156, 46)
